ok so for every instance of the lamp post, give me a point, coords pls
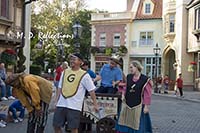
(156, 51)
(60, 52)
(77, 30)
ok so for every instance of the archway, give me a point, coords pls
(169, 60)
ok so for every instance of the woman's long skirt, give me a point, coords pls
(145, 125)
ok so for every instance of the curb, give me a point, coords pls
(175, 97)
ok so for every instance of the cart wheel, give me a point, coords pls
(105, 125)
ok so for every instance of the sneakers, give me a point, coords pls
(2, 125)
(4, 99)
(11, 98)
(16, 120)
(2, 121)
(20, 119)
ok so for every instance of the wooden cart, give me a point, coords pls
(105, 119)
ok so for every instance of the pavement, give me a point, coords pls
(192, 96)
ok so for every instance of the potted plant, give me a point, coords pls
(108, 51)
(123, 50)
(94, 50)
(9, 57)
(192, 66)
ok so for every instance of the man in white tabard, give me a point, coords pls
(72, 87)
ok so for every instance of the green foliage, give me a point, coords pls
(84, 18)
(54, 19)
(108, 51)
(9, 57)
(123, 50)
(35, 69)
(94, 50)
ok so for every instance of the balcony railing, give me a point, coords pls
(121, 50)
(146, 42)
(111, 16)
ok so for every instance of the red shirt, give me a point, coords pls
(179, 83)
(166, 80)
(58, 72)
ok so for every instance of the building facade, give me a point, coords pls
(175, 56)
(10, 23)
(138, 28)
(146, 32)
(193, 46)
(109, 32)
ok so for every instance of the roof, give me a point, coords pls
(157, 12)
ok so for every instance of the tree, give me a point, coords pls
(53, 19)
(84, 18)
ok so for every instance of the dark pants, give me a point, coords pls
(109, 90)
(14, 112)
(181, 91)
(36, 122)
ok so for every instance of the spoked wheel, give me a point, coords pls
(106, 125)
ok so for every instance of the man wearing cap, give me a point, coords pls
(110, 76)
(34, 93)
(72, 87)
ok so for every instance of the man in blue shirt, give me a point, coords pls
(85, 67)
(110, 75)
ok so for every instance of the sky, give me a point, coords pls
(108, 5)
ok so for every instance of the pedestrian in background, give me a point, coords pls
(159, 81)
(134, 116)
(72, 87)
(110, 76)
(166, 81)
(3, 122)
(85, 66)
(58, 73)
(179, 83)
(6, 92)
(34, 92)
(14, 108)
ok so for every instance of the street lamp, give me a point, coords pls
(77, 30)
(156, 51)
(60, 52)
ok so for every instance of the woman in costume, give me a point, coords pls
(134, 115)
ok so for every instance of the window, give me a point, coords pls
(171, 23)
(4, 8)
(197, 19)
(147, 8)
(146, 38)
(102, 40)
(150, 66)
(116, 41)
(148, 61)
(198, 66)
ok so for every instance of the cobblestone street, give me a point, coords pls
(169, 115)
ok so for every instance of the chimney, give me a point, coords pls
(129, 5)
